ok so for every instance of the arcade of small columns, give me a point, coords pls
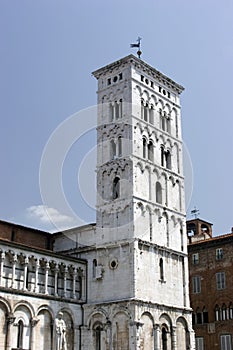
(39, 274)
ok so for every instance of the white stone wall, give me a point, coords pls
(34, 286)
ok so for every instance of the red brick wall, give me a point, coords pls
(25, 235)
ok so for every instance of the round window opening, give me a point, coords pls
(113, 264)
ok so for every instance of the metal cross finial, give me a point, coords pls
(138, 45)
(195, 212)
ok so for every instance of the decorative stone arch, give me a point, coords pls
(138, 90)
(47, 308)
(154, 135)
(182, 333)
(145, 96)
(99, 315)
(140, 166)
(140, 127)
(173, 221)
(158, 212)
(162, 140)
(146, 133)
(27, 305)
(169, 144)
(97, 324)
(160, 104)
(44, 327)
(121, 309)
(166, 332)
(24, 321)
(6, 305)
(6, 317)
(147, 331)
(141, 207)
(120, 329)
(156, 173)
(153, 100)
(167, 109)
(68, 317)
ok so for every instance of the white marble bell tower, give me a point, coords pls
(140, 266)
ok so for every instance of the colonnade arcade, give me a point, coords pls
(25, 326)
(117, 331)
(41, 274)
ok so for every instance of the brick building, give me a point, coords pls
(211, 286)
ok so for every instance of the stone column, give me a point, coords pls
(34, 322)
(138, 334)
(74, 284)
(26, 261)
(13, 270)
(1, 268)
(65, 278)
(83, 292)
(46, 278)
(114, 111)
(174, 338)
(10, 321)
(157, 336)
(36, 289)
(108, 332)
(56, 270)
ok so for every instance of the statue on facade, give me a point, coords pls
(60, 328)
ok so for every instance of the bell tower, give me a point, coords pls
(140, 204)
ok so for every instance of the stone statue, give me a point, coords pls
(60, 328)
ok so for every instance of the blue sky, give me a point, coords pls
(48, 51)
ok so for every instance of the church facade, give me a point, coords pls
(128, 287)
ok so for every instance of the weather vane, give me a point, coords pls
(138, 45)
(195, 212)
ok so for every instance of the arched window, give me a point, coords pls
(142, 109)
(146, 108)
(98, 343)
(161, 270)
(163, 123)
(224, 312)
(181, 237)
(20, 335)
(162, 155)
(168, 160)
(151, 151)
(94, 267)
(199, 316)
(121, 108)
(117, 110)
(111, 108)
(79, 287)
(217, 313)
(168, 125)
(164, 338)
(113, 149)
(151, 115)
(158, 190)
(144, 143)
(119, 146)
(231, 311)
(205, 315)
(116, 188)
